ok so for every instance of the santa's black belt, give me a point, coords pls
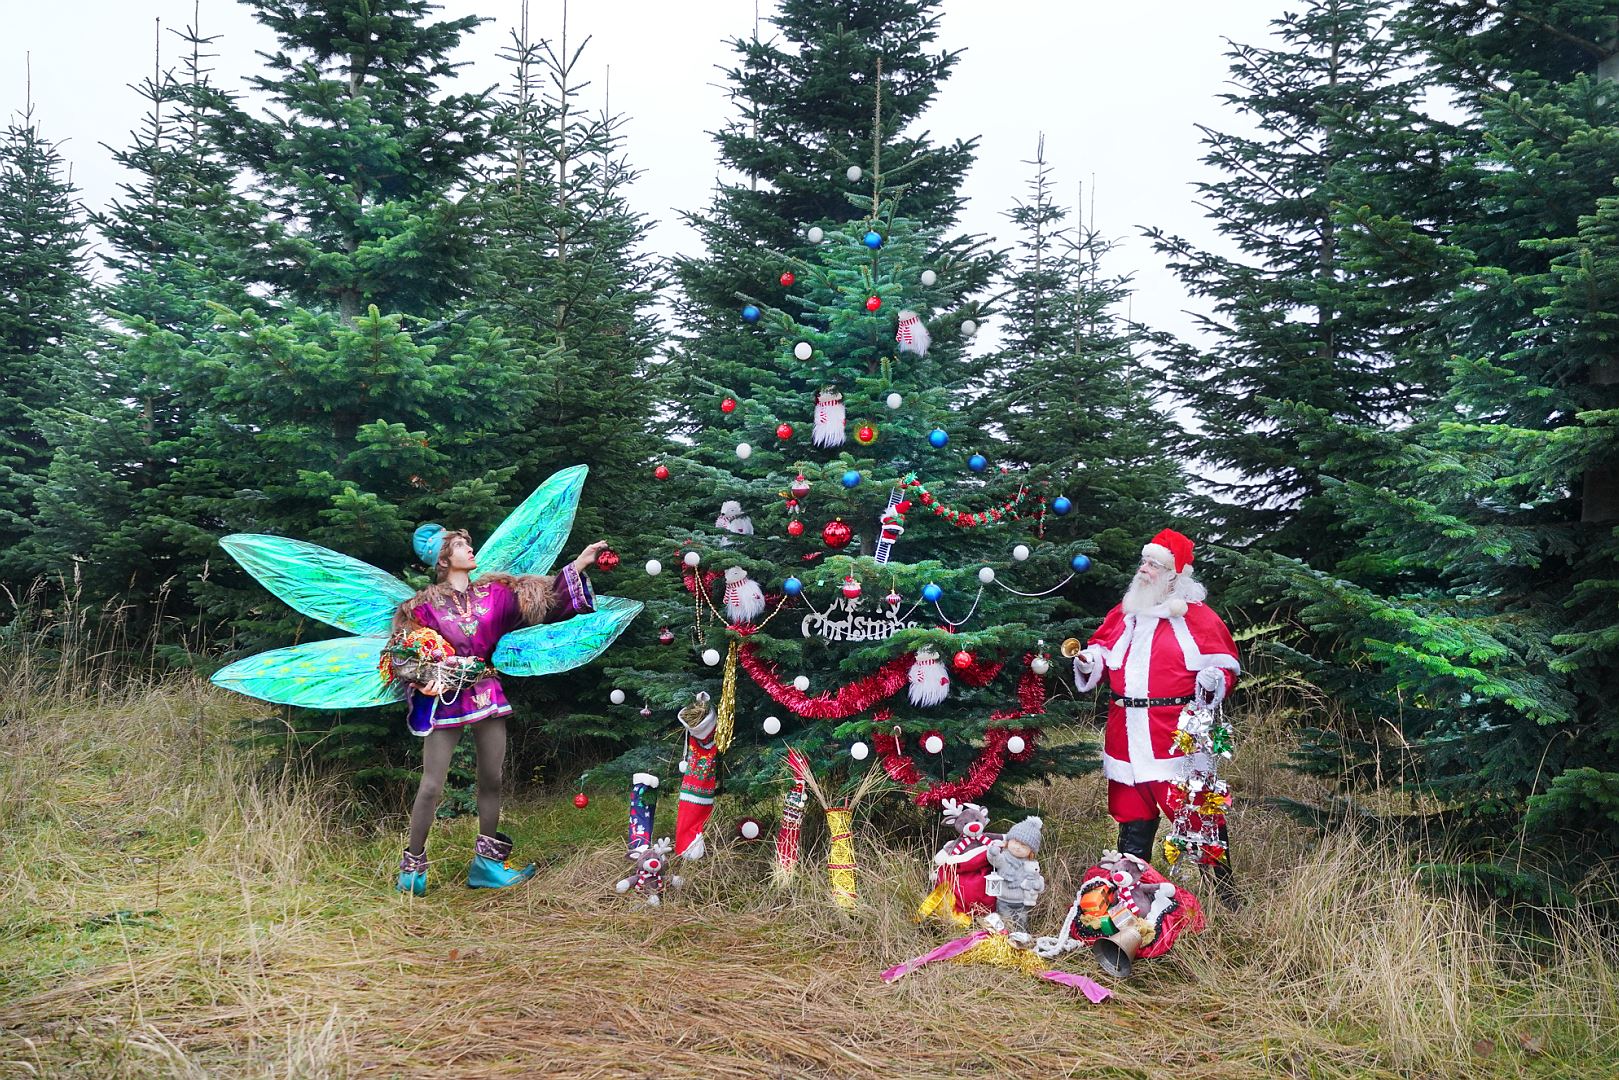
(1150, 702)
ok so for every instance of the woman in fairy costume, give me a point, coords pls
(472, 617)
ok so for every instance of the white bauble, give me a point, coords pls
(1039, 665)
(895, 401)
(772, 725)
(801, 683)
(1016, 745)
(616, 697)
(744, 451)
(749, 829)
(803, 350)
(711, 657)
(929, 278)
(933, 744)
(852, 174)
(859, 751)
(692, 558)
(815, 235)
(1020, 552)
(986, 575)
(969, 328)
(653, 568)
(682, 764)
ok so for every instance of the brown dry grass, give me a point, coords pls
(262, 941)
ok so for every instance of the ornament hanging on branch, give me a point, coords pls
(829, 418)
(890, 527)
(836, 533)
(912, 336)
(928, 680)
(733, 520)
(851, 587)
(744, 599)
(800, 486)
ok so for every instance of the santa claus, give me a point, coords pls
(1160, 647)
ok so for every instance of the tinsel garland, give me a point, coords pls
(966, 519)
(725, 716)
(847, 700)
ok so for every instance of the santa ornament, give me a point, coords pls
(912, 336)
(829, 418)
(744, 599)
(733, 520)
(929, 681)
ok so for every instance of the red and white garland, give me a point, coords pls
(994, 515)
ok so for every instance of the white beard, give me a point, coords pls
(912, 337)
(1144, 595)
(744, 601)
(828, 423)
(742, 525)
(930, 683)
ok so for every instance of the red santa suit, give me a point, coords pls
(1152, 660)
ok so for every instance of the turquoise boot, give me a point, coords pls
(413, 874)
(490, 870)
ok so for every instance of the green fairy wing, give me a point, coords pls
(336, 589)
(528, 541)
(337, 674)
(551, 648)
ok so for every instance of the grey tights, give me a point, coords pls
(489, 739)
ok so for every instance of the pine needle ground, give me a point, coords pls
(174, 910)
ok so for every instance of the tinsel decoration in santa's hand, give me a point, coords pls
(744, 599)
(929, 681)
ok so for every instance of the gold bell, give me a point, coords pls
(1071, 647)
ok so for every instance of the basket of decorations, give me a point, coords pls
(423, 658)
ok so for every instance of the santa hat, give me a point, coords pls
(1169, 548)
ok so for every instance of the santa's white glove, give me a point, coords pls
(1088, 669)
(1211, 685)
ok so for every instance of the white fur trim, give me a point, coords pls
(695, 850)
(644, 778)
(1137, 663)
(1196, 659)
(1158, 553)
(1176, 607)
(1093, 656)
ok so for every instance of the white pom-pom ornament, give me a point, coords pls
(744, 451)
(801, 683)
(1020, 552)
(1015, 745)
(969, 328)
(933, 744)
(653, 568)
(772, 725)
(711, 657)
(1039, 665)
(815, 235)
(682, 764)
(895, 401)
(803, 350)
(852, 174)
(748, 829)
(616, 697)
(929, 278)
(986, 575)
(692, 558)
(859, 751)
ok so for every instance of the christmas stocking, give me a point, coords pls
(697, 786)
(643, 804)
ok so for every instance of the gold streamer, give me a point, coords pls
(840, 858)
(725, 716)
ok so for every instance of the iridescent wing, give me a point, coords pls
(337, 674)
(336, 589)
(551, 648)
(528, 541)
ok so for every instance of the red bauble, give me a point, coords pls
(581, 800)
(874, 303)
(606, 559)
(787, 280)
(728, 405)
(865, 435)
(661, 472)
(962, 660)
(666, 636)
(836, 533)
(784, 431)
(795, 528)
(800, 486)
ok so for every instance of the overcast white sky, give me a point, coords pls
(1115, 87)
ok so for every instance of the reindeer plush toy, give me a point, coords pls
(648, 878)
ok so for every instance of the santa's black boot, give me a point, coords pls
(1225, 879)
(1135, 838)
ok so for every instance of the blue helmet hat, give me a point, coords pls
(428, 540)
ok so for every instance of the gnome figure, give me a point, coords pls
(828, 418)
(1016, 883)
(930, 682)
(744, 599)
(733, 520)
(912, 336)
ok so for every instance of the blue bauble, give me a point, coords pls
(1080, 563)
(938, 437)
(792, 586)
(750, 313)
(851, 479)
(931, 593)
(1061, 505)
(873, 241)
(978, 463)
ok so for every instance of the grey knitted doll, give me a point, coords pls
(1016, 883)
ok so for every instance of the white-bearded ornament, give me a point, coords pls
(733, 520)
(930, 682)
(744, 599)
(912, 337)
(829, 418)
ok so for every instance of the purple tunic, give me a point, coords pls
(490, 611)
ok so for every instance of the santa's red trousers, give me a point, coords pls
(1139, 802)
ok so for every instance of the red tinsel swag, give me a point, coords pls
(855, 697)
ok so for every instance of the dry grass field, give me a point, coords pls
(171, 908)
